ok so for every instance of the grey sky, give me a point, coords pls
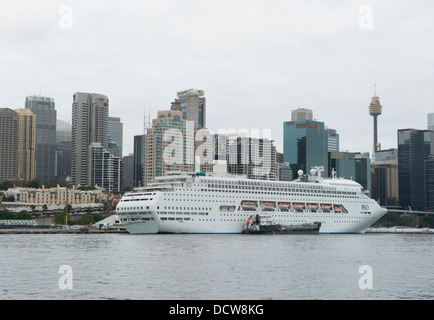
(255, 60)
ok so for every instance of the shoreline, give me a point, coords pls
(30, 230)
(400, 229)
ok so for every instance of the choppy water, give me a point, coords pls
(247, 267)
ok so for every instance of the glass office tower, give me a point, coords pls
(46, 116)
(414, 147)
(305, 145)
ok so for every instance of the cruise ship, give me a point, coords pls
(219, 203)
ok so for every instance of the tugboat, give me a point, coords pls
(263, 224)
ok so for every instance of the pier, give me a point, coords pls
(400, 230)
(57, 231)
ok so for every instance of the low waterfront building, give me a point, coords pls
(55, 196)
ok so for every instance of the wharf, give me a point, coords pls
(57, 231)
(400, 229)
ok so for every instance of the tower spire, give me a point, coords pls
(375, 109)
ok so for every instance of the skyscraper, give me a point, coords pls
(333, 139)
(104, 169)
(89, 124)
(414, 149)
(8, 144)
(115, 131)
(193, 105)
(166, 146)
(430, 121)
(256, 158)
(26, 144)
(138, 160)
(305, 145)
(46, 114)
(128, 171)
(385, 178)
(301, 114)
(63, 150)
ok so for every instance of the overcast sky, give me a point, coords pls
(255, 60)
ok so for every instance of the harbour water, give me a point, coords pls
(216, 267)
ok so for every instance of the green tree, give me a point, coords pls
(60, 218)
(23, 215)
(86, 188)
(33, 184)
(85, 219)
(6, 185)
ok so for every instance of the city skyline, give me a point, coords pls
(266, 60)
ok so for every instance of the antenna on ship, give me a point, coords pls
(333, 176)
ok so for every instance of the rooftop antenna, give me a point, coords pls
(147, 121)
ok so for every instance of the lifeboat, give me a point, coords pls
(312, 206)
(284, 205)
(337, 208)
(268, 205)
(298, 206)
(326, 207)
(248, 205)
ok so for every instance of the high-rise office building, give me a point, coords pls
(46, 114)
(255, 158)
(128, 171)
(63, 150)
(167, 146)
(105, 170)
(89, 125)
(8, 144)
(343, 164)
(63, 131)
(26, 144)
(115, 131)
(193, 106)
(138, 160)
(430, 121)
(301, 114)
(414, 149)
(333, 139)
(429, 184)
(363, 171)
(305, 145)
(385, 178)
(352, 166)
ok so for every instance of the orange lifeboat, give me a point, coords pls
(298, 206)
(326, 207)
(337, 208)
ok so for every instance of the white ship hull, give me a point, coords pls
(142, 227)
(215, 205)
